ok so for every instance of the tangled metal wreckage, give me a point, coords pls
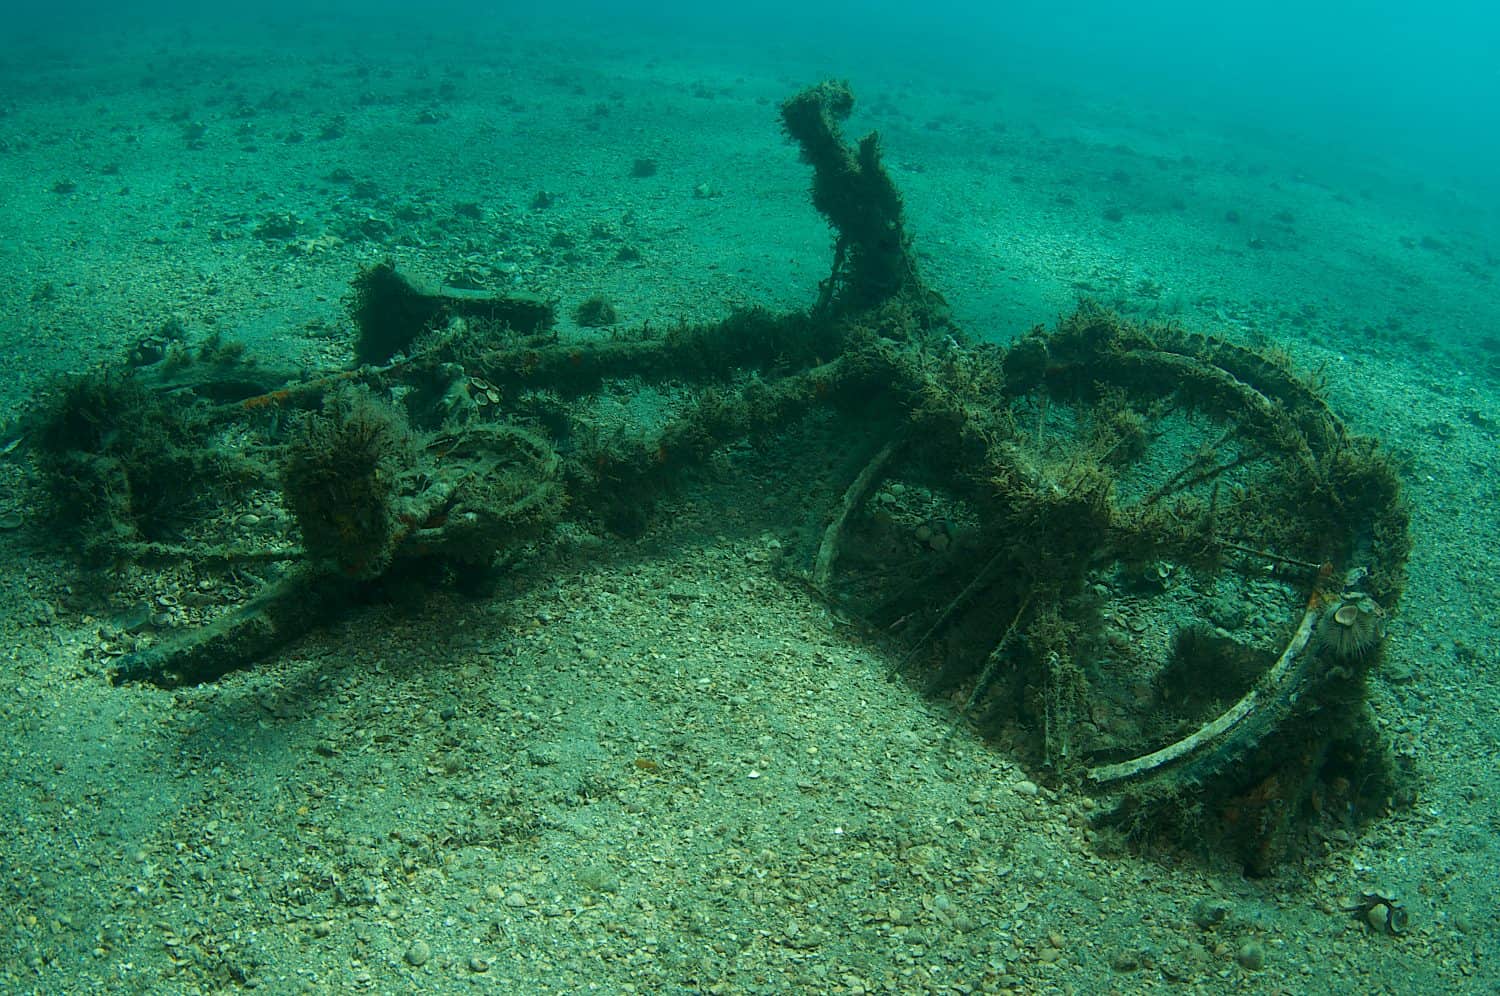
(1154, 564)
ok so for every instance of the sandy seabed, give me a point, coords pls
(655, 765)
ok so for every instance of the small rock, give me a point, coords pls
(1028, 788)
(478, 964)
(1209, 913)
(418, 953)
(1251, 956)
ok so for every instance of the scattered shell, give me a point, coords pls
(485, 394)
(1382, 912)
(149, 349)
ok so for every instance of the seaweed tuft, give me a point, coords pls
(120, 463)
(341, 478)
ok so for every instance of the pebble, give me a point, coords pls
(1209, 913)
(418, 953)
